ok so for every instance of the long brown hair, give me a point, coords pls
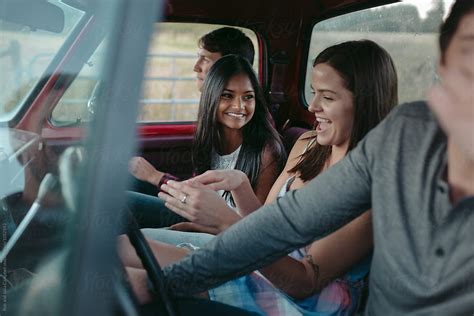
(257, 134)
(369, 74)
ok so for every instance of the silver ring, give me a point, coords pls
(183, 200)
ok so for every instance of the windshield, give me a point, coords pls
(25, 53)
(48, 176)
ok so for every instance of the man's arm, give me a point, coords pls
(322, 206)
(326, 203)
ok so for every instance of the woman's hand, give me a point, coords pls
(226, 180)
(141, 169)
(236, 182)
(199, 204)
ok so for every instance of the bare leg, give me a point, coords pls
(164, 253)
(137, 279)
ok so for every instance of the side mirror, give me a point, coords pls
(37, 14)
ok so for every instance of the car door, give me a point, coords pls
(71, 179)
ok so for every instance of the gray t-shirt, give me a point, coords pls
(423, 260)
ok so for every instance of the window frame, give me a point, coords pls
(323, 18)
(147, 127)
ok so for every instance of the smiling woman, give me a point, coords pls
(333, 106)
(325, 277)
(233, 131)
(232, 87)
(236, 108)
(61, 257)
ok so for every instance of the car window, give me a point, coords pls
(77, 104)
(25, 52)
(408, 31)
(169, 92)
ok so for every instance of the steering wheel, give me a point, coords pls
(149, 262)
(69, 162)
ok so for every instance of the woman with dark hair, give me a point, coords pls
(233, 131)
(355, 87)
(247, 131)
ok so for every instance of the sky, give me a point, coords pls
(424, 5)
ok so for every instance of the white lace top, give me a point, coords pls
(225, 162)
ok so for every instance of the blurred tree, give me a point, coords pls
(434, 17)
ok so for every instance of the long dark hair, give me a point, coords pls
(369, 73)
(258, 134)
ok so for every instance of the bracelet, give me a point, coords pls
(165, 178)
